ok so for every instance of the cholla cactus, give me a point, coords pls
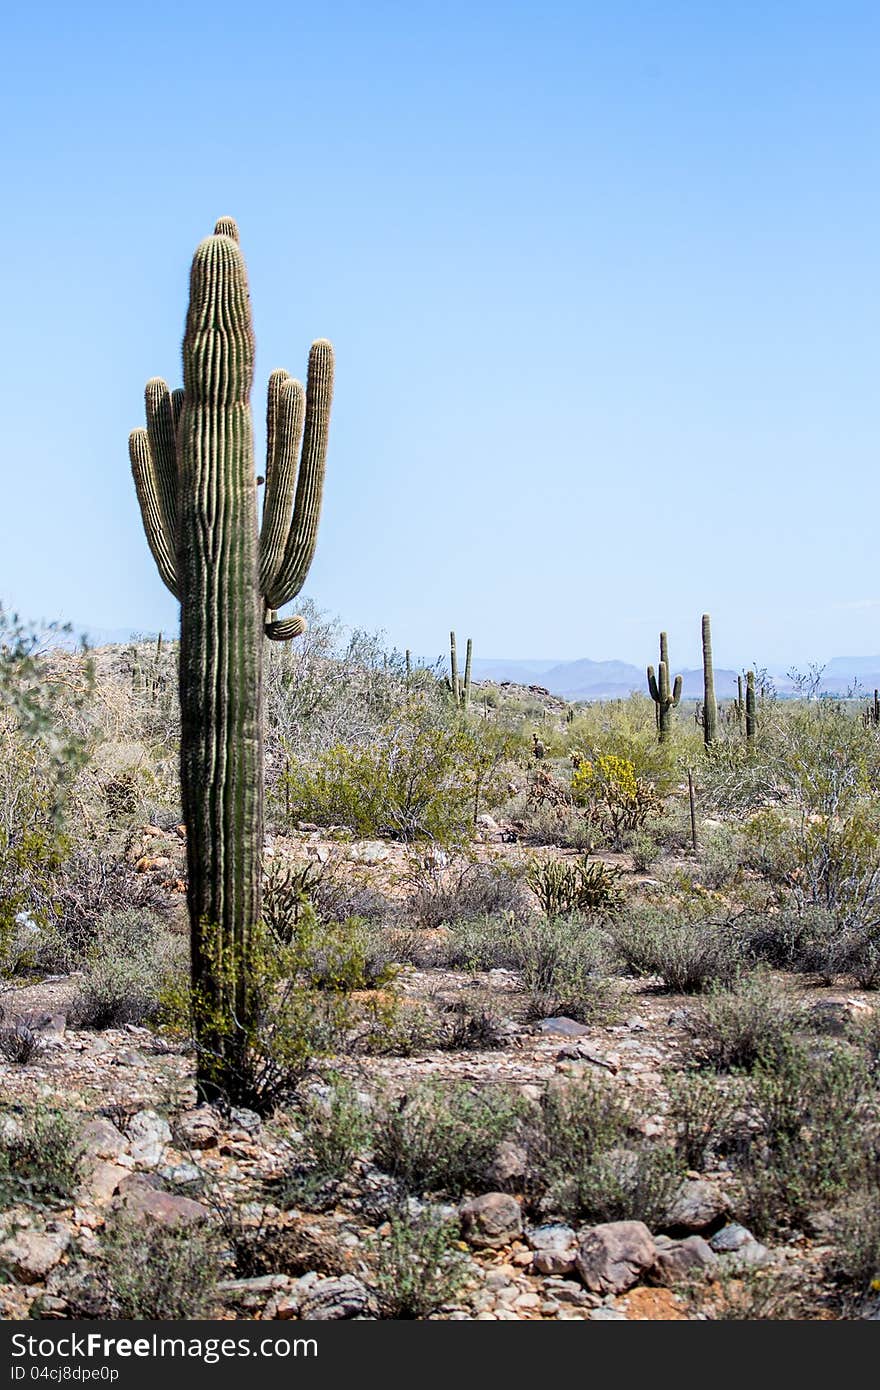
(194, 473)
(658, 687)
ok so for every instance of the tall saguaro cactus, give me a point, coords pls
(461, 690)
(194, 474)
(665, 699)
(710, 706)
(751, 710)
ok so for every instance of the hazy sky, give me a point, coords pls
(602, 280)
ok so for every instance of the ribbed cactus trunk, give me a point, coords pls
(453, 670)
(466, 690)
(221, 640)
(196, 483)
(665, 699)
(751, 711)
(710, 706)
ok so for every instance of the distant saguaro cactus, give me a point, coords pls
(710, 706)
(751, 715)
(461, 690)
(194, 474)
(658, 686)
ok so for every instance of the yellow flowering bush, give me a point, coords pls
(612, 795)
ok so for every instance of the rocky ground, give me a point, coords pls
(150, 1149)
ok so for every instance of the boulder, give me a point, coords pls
(148, 1202)
(490, 1221)
(198, 1129)
(615, 1255)
(697, 1205)
(30, 1255)
(148, 1135)
(333, 1299)
(682, 1259)
(555, 1248)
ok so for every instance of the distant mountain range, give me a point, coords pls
(611, 680)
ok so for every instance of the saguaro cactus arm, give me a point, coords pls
(710, 706)
(160, 540)
(302, 538)
(284, 427)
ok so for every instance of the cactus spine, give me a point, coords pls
(751, 716)
(710, 707)
(194, 475)
(658, 686)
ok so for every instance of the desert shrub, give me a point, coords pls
(41, 753)
(721, 856)
(344, 956)
(93, 881)
(626, 729)
(562, 963)
(791, 938)
(473, 1025)
(155, 1272)
(563, 826)
(741, 1293)
(335, 1127)
(399, 1028)
(418, 1266)
(644, 849)
(40, 1157)
(443, 1137)
(616, 800)
(812, 1146)
(688, 954)
(443, 892)
(131, 962)
(588, 1167)
(564, 886)
(854, 1261)
(291, 1022)
(421, 777)
(700, 1111)
(486, 943)
(735, 1028)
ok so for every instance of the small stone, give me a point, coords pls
(368, 852)
(30, 1255)
(613, 1256)
(509, 1165)
(101, 1181)
(490, 1221)
(607, 1315)
(731, 1237)
(248, 1120)
(566, 1027)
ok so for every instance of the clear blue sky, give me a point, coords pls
(602, 280)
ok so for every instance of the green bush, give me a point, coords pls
(442, 1137)
(812, 1146)
(562, 963)
(689, 955)
(159, 1273)
(701, 1109)
(854, 1261)
(132, 962)
(734, 1029)
(40, 1158)
(417, 1265)
(441, 893)
(422, 777)
(586, 1163)
(335, 1128)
